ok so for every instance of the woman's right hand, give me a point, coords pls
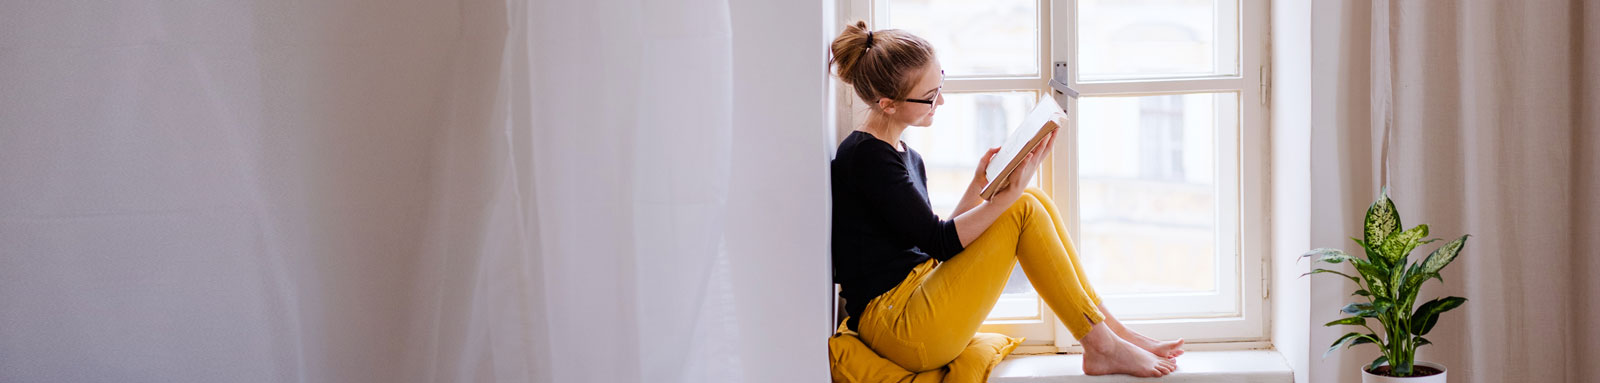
(1018, 182)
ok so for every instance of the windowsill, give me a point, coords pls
(1253, 366)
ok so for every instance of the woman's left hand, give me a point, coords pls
(980, 178)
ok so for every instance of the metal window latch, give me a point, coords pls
(1058, 81)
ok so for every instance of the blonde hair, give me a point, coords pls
(879, 64)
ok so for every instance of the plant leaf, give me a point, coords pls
(1414, 279)
(1356, 308)
(1328, 255)
(1371, 250)
(1381, 221)
(1362, 292)
(1423, 341)
(1377, 362)
(1375, 277)
(1400, 244)
(1347, 338)
(1397, 279)
(1364, 339)
(1443, 256)
(1339, 342)
(1352, 321)
(1320, 270)
(1382, 305)
(1428, 314)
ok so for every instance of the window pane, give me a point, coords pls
(1148, 191)
(1127, 39)
(966, 126)
(973, 37)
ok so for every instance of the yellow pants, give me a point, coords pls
(926, 320)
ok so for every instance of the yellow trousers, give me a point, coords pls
(925, 321)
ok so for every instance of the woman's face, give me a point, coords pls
(925, 98)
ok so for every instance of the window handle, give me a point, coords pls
(1059, 81)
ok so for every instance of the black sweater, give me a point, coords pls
(883, 224)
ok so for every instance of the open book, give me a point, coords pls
(1039, 123)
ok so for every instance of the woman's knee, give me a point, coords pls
(1040, 194)
(1025, 204)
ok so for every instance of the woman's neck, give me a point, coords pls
(884, 129)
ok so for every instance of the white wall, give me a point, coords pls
(781, 96)
(1291, 181)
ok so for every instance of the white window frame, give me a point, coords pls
(1245, 329)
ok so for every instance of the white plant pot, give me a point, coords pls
(1367, 377)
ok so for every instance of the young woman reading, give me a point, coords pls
(916, 286)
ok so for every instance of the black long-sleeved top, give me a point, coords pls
(883, 224)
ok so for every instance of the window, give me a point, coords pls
(1160, 169)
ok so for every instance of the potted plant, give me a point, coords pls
(1387, 285)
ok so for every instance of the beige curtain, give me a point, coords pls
(1481, 117)
(413, 191)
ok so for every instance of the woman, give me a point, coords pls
(916, 286)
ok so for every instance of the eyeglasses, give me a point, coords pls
(936, 92)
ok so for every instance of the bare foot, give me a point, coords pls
(1164, 349)
(1104, 354)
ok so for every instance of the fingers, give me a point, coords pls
(983, 162)
(1049, 143)
(1021, 177)
(988, 155)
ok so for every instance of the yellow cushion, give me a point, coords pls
(854, 362)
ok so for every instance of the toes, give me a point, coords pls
(1168, 367)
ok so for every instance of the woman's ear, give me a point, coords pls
(886, 105)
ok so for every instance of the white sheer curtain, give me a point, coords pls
(458, 191)
(1482, 117)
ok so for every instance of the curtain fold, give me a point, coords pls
(459, 191)
(1480, 117)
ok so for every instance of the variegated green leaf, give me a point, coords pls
(1381, 221)
(1428, 314)
(1396, 246)
(1327, 255)
(1444, 255)
(1371, 251)
(1382, 305)
(1423, 341)
(1397, 279)
(1351, 321)
(1368, 310)
(1413, 284)
(1374, 275)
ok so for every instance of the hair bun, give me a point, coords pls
(878, 64)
